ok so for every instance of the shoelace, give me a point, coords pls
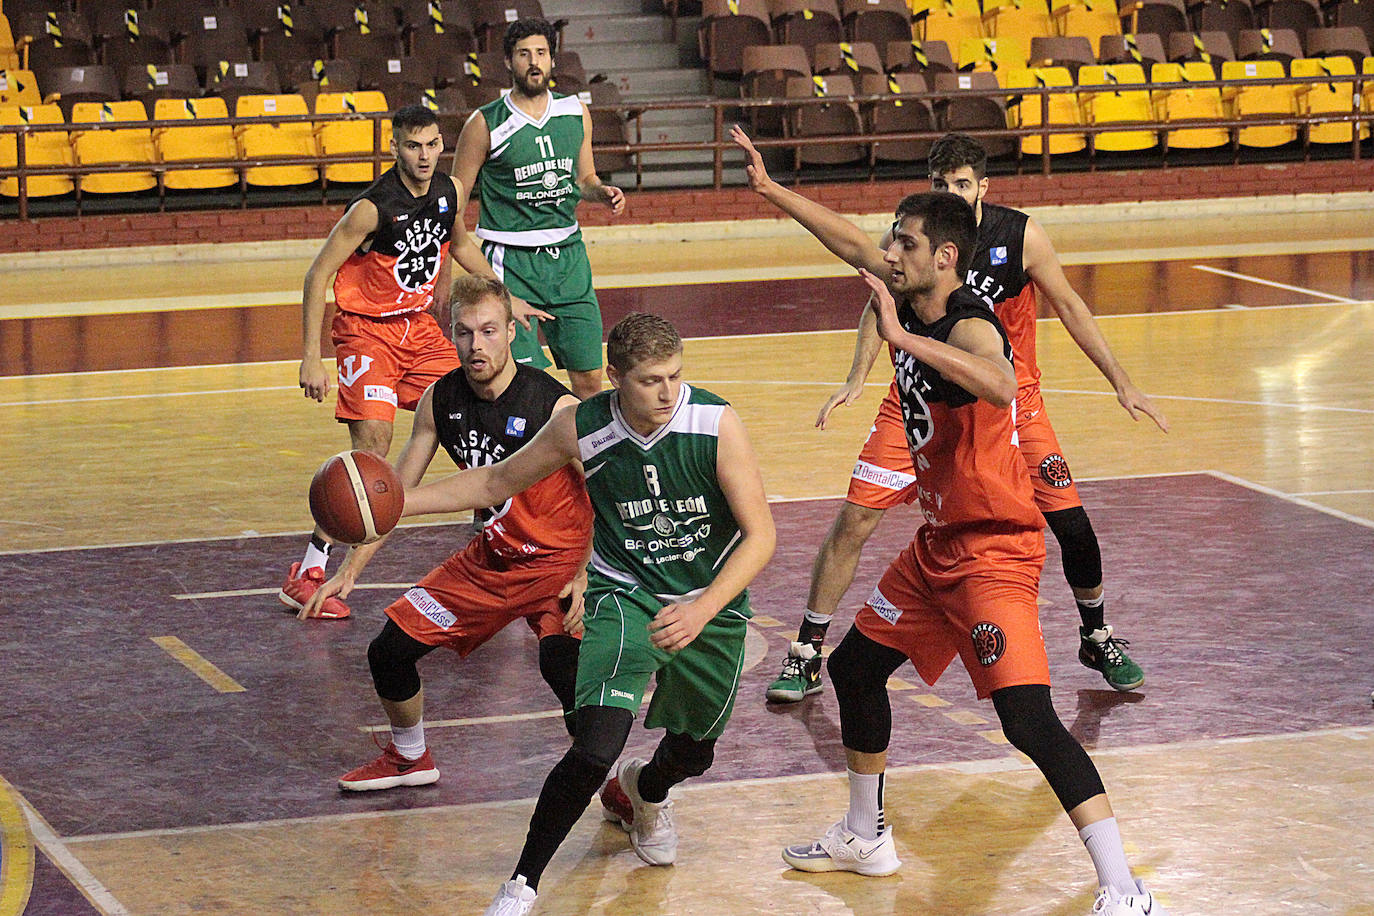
(795, 666)
(1112, 650)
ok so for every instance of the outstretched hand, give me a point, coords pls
(884, 306)
(758, 175)
(847, 394)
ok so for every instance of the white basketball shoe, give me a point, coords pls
(1141, 903)
(841, 849)
(513, 898)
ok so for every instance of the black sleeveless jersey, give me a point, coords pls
(394, 272)
(997, 272)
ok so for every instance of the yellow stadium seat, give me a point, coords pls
(1119, 106)
(1023, 19)
(1190, 105)
(1063, 108)
(1247, 101)
(950, 21)
(1322, 97)
(9, 57)
(46, 148)
(350, 137)
(177, 144)
(994, 54)
(267, 140)
(19, 87)
(1090, 18)
(129, 145)
(1367, 68)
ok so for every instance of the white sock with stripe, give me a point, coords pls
(409, 742)
(865, 815)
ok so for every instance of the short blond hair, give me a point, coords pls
(640, 337)
(468, 290)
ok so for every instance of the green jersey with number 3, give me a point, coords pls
(527, 188)
(662, 520)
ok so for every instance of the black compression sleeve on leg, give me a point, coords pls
(558, 665)
(859, 669)
(601, 735)
(1078, 545)
(1033, 728)
(392, 657)
(677, 757)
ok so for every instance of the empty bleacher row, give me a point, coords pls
(809, 49)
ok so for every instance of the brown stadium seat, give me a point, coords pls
(898, 116)
(309, 78)
(1161, 17)
(836, 119)
(491, 17)
(569, 77)
(231, 79)
(288, 31)
(1209, 47)
(1229, 16)
(127, 36)
(766, 71)
(917, 56)
(1268, 44)
(359, 28)
(55, 38)
(123, 146)
(1298, 15)
(208, 141)
(482, 76)
(805, 22)
(1146, 49)
(727, 28)
(396, 76)
(68, 85)
(878, 21)
(851, 59)
(48, 148)
(150, 82)
(971, 114)
(451, 106)
(1346, 40)
(1357, 14)
(1069, 52)
(610, 127)
(436, 28)
(211, 34)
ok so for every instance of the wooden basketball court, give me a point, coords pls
(172, 737)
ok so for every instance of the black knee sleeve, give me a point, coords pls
(558, 665)
(859, 669)
(1033, 728)
(1078, 546)
(392, 657)
(681, 757)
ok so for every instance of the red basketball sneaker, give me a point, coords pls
(389, 771)
(616, 806)
(300, 586)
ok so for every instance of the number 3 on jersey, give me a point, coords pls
(651, 478)
(545, 145)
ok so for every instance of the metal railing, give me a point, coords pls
(723, 113)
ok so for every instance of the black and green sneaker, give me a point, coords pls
(1101, 651)
(801, 675)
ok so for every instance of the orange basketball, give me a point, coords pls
(356, 497)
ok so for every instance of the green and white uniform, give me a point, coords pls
(528, 194)
(662, 531)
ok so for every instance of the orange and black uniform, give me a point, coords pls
(967, 583)
(529, 547)
(389, 349)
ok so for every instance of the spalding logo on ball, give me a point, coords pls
(356, 497)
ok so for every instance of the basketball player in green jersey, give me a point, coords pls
(528, 156)
(681, 526)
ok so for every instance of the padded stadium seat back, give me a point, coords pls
(231, 79)
(48, 148)
(289, 31)
(396, 76)
(268, 140)
(917, 56)
(1268, 44)
(609, 127)
(212, 34)
(899, 116)
(849, 58)
(210, 141)
(432, 27)
(1161, 17)
(128, 35)
(308, 78)
(569, 77)
(490, 19)
(876, 21)
(1057, 51)
(806, 22)
(1209, 47)
(727, 28)
(150, 82)
(1345, 40)
(1144, 49)
(1298, 15)
(766, 69)
(122, 146)
(1247, 101)
(79, 84)
(1185, 104)
(1356, 14)
(973, 113)
(835, 119)
(1229, 16)
(1027, 110)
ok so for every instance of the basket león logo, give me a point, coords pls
(1054, 470)
(989, 642)
(418, 254)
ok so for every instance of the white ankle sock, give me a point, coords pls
(410, 742)
(818, 619)
(1103, 840)
(865, 815)
(315, 558)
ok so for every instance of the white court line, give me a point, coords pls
(1264, 282)
(970, 767)
(1330, 492)
(243, 592)
(1240, 403)
(476, 720)
(52, 845)
(1294, 499)
(138, 397)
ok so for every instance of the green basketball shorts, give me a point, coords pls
(695, 688)
(559, 281)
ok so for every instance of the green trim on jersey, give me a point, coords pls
(528, 186)
(661, 519)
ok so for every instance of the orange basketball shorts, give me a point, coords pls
(883, 476)
(973, 596)
(473, 595)
(385, 363)
(1050, 477)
